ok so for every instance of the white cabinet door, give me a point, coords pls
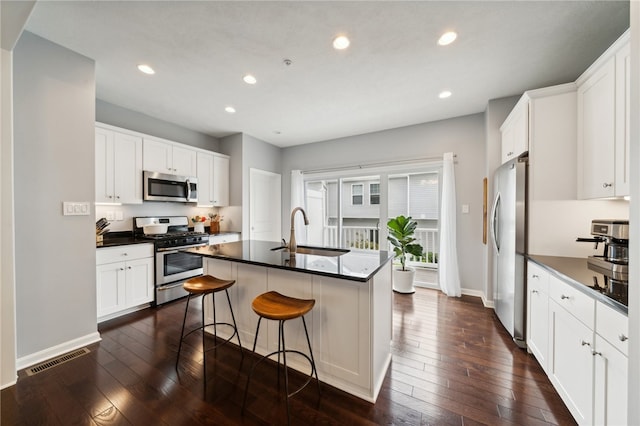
(623, 117)
(596, 133)
(611, 379)
(220, 180)
(341, 319)
(127, 154)
(515, 132)
(158, 156)
(571, 362)
(139, 282)
(205, 179)
(253, 280)
(184, 160)
(538, 309)
(104, 166)
(118, 167)
(110, 281)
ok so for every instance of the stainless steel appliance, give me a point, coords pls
(613, 263)
(509, 238)
(165, 187)
(173, 265)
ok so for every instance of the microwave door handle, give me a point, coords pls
(188, 190)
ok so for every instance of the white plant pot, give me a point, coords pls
(403, 280)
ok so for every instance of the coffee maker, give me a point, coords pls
(614, 234)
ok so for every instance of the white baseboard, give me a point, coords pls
(465, 291)
(54, 351)
(9, 384)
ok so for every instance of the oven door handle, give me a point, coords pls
(168, 287)
(173, 250)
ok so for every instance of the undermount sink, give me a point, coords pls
(315, 251)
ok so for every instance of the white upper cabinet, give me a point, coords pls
(169, 157)
(603, 124)
(515, 131)
(213, 179)
(118, 167)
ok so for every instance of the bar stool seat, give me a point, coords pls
(201, 286)
(278, 307)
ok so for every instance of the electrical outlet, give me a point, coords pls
(76, 208)
(119, 215)
(465, 208)
(110, 215)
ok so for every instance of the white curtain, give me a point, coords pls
(297, 200)
(448, 262)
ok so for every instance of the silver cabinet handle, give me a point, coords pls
(534, 276)
(607, 185)
(564, 297)
(594, 353)
(125, 254)
(128, 267)
(122, 269)
(510, 153)
(534, 291)
(623, 338)
(584, 343)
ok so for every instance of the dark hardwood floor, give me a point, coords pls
(453, 363)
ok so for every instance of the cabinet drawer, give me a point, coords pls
(613, 326)
(537, 278)
(121, 253)
(573, 300)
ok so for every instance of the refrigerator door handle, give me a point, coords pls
(495, 237)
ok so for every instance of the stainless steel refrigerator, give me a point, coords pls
(508, 226)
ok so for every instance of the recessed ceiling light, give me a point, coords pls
(146, 69)
(230, 109)
(249, 79)
(444, 94)
(447, 38)
(341, 42)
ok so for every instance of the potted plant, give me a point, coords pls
(401, 231)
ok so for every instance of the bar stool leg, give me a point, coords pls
(313, 361)
(204, 351)
(246, 388)
(235, 326)
(184, 320)
(286, 375)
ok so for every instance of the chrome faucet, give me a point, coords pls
(292, 239)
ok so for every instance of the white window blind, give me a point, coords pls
(357, 194)
(398, 196)
(374, 193)
(423, 196)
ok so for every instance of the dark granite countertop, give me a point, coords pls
(356, 265)
(574, 271)
(114, 239)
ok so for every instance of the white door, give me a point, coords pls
(264, 206)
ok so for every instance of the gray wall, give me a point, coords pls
(256, 154)
(54, 112)
(117, 116)
(465, 136)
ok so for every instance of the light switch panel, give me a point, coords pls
(76, 208)
(465, 208)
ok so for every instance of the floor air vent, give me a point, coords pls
(56, 361)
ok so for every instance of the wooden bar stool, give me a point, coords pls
(201, 286)
(275, 306)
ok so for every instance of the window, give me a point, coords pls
(357, 194)
(374, 193)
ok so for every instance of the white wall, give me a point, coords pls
(54, 113)
(465, 136)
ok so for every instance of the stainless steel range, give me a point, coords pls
(173, 265)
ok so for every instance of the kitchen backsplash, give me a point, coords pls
(121, 217)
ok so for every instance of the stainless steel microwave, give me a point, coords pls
(165, 187)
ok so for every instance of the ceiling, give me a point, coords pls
(389, 77)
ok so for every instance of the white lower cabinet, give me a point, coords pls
(538, 309)
(583, 347)
(124, 279)
(348, 352)
(571, 366)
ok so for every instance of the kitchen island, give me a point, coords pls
(350, 326)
